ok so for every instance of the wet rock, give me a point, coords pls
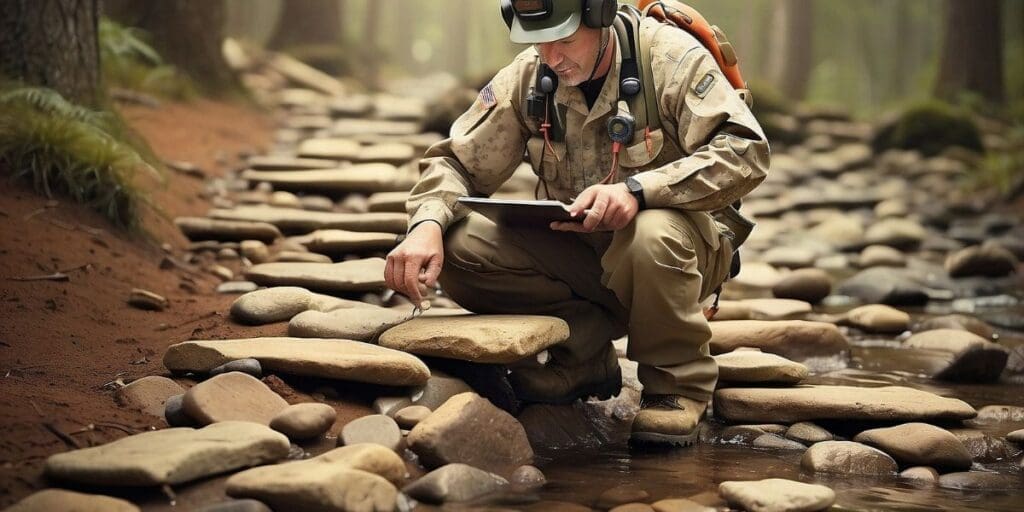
(145, 299)
(987, 260)
(620, 495)
(170, 456)
(409, 417)
(848, 458)
(920, 474)
(478, 338)
(983, 447)
(806, 284)
(255, 251)
(148, 394)
(884, 285)
(347, 276)
(389, 405)
(528, 478)
(304, 421)
(792, 339)
(807, 433)
(174, 412)
(877, 318)
(679, 505)
(337, 242)
(901, 233)
(919, 444)
(332, 359)
(454, 483)
(294, 220)
(581, 424)
(804, 403)
(974, 359)
(300, 257)
(1017, 436)
(961, 322)
(237, 287)
(777, 495)
(232, 396)
(999, 414)
(376, 429)
(359, 477)
(236, 506)
(468, 429)
(775, 309)
(979, 481)
(756, 366)
(438, 389)
(202, 228)
(247, 366)
(881, 256)
(360, 324)
(777, 442)
(51, 500)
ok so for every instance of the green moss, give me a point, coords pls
(129, 62)
(929, 128)
(63, 148)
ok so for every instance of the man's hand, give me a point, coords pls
(418, 259)
(607, 208)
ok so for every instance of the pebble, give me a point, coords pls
(255, 251)
(376, 429)
(979, 481)
(877, 318)
(987, 260)
(528, 477)
(245, 505)
(237, 287)
(248, 366)
(807, 433)
(454, 483)
(233, 396)
(145, 299)
(756, 366)
(409, 417)
(680, 505)
(777, 442)
(304, 421)
(174, 412)
(848, 458)
(806, 284)
(921, 474)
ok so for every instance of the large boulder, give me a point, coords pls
(793, 339)
(478, 338)
(919, 444)
(971, 357)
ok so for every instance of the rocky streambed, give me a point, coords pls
(870, 351)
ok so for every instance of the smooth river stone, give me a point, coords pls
(170, 456)
(363, 178)
(807, 433)
(987, 260)
(394, 153)
(359, 477)
(284, 302)
(353, 127)
(895, 232)
(777, 495)
(973, 358)
(332, 148)
(304, 421)
(365, 275)
(919, 444)
(757, 366)
(148, 394)
(296, 221)
(361, 324)
(338, 242)
(792, 339)
(287, 163)
(806, 403)
(388, 202)
(375, 428)
(202, 228)
(454, 483)
(233, 396)
(301, 257)
(479, 338)
(980, 481)
(806, 284)
(470, 430)
(776, 309)
(847, 458)
(332, 359)
(59, 500)
(877, 318)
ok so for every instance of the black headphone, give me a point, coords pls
(596, 13)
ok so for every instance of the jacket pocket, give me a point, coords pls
(638, 155)
(549, 163)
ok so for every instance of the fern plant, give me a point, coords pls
(65, 148)
(129, 62)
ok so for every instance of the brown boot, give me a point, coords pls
(668, 419)
(557, 383)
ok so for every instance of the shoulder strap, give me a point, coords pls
(636, 79)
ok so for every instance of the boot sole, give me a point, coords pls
(653, 438)
(603, 391)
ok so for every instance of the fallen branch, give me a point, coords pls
(70, 441)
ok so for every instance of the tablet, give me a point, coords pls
(521, 213)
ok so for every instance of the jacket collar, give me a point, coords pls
(572, 97)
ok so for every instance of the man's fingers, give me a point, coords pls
(411, 276)
(434, 269)
(583, 201)
(389, 272)
(597, 212)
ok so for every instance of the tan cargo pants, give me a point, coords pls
(647, 280)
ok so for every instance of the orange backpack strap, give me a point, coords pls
(688, 19)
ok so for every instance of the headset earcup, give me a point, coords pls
(507, 13)
(592, 13)
(608, 9)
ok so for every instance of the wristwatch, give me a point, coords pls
(637, 190)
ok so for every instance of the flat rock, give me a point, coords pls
(245, 505)
(332, 359)
(919, 444)
(145, 299)
(364, 275)
(806, 403)
(957, 321)
(777, 495)
(680, 505)
(881, 256)
(982, 447)
(298, 221)
(287, 163)
(283, 302)
(885, 285)
(848, 458)
(789, 257)
(920, 474)
(371, 177)
(338, 242)
(987, 260)
(233, 396)
(304, 421)
(301, 257)
(806, 284)
(807, 433)
(756, 274)
(454, 483)
(469, 429)
(438, 389)
(877, 318)
(375, 428)
(478, 338)
(359, 477)
(59, 500)
(1017, 436)
(776, 442)
(973, 358)
(395, 153)
(202, 228)
(900, 233)
(775, 309)
(148, 394)
(334, 148)
(354, 127)
(620, 495)
(757, 366)
(990, 414)
(792, 339)
(360, 324)
(979, 481)
(388, 202)
(170, 456)
(237, 287)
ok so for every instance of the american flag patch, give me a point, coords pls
(487, 97)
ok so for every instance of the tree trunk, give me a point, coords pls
(52, 43)
(972, 51)
(792, 54)
(187, 33)
(305, 22)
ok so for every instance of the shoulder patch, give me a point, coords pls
(487, 97)
(704, 85)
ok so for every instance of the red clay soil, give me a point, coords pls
(63, 344)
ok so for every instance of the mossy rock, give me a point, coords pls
(929, 128)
